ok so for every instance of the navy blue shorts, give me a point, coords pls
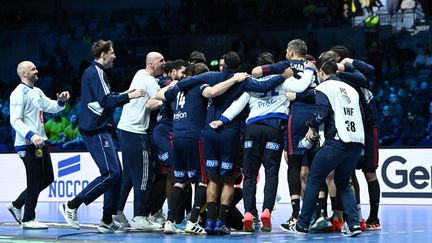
(162, 138)
(221, 151)
(369, 161)
(297, 130)
(188, 163)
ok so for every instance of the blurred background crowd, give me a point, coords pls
(393, 35)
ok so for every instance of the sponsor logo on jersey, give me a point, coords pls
(180, 115)
(179, 173)
(212, 163)
(248, 144)
(272, 146)
(227, 165)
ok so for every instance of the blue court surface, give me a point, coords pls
(400, 223)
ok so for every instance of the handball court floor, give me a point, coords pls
(400, 223)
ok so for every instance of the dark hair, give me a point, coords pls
(195, 69)
(232, 61)
(298, 46)
(327, 63)
(340, 50)
(264, 58)
(197, 57)
(101, 46)
(309, 57)
(176, 64)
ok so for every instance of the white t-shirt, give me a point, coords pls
(135, 117)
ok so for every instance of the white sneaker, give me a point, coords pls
(110, 228)
(155, 224)
(158, 217)
(141, 222)
(33, 224)
(169, 228)
(16, 212)
(195, 228)
(120, 218)
(70, 215)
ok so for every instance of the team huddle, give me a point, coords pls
(211, 135)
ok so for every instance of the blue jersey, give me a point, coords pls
(220, 103)
(97, 101)
(190, 111)
(166, 113)
(298, 67)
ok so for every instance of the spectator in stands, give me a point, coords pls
(428, 139)
(5, 132)
(389, 127)
(396, 106)
(55, 128)
(420, 60)
(408, 5)
(413, 128)
(72, 138)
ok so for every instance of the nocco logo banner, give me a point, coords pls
(406, 176)
(72, 173)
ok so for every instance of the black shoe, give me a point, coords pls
(352, 231)
(293, 228)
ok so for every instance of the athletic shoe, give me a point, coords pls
(248, 224)
(120, 218)
(292, 220)
(110, 228)
(221, 228)
(16, 212)
(293, 228)
(373, 224)
(180, 228)
(210, 226)
(322, 224)
(33, 224)
(337, 224)
(351, 231)
(266, 221)
(70, 215)
(141, 222)
(155, 225)
(158, 217)
(363, 225)
(169, 228)
(194, 228)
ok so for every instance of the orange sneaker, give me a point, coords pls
(266, 221)
(362, 224)
(248, 224)
(337, 224)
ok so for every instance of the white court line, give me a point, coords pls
(400, 232)
(417, 231)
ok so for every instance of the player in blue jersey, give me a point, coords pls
(220, 156)
(338, 110)
(162, 138)
(300, 111)
(188, 121)
(263, 141)
(369, 161)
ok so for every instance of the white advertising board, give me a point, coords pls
(405, 177)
